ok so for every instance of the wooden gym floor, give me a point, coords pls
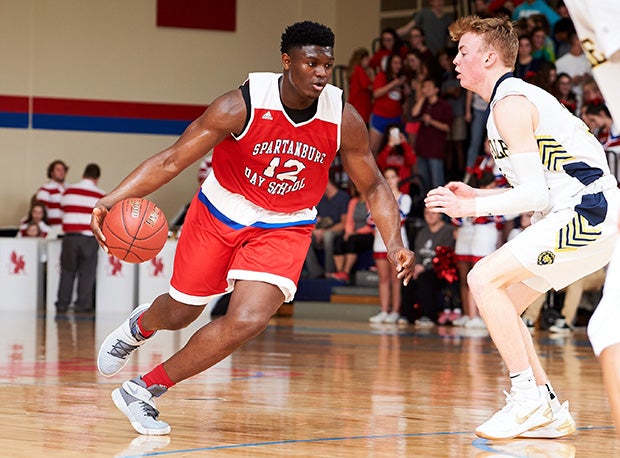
(303, 388)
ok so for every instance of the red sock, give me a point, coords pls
(158, 376)
(145, 334)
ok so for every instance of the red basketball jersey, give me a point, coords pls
(275, 163)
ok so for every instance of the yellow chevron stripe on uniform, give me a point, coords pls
(552, 153)
(575, 234)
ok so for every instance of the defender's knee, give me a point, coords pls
(478, 280)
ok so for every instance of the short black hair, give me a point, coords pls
(92, 171)
(306, 33)
(597, 109)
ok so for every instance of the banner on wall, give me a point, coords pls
(197, 14)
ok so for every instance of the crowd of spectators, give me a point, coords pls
(424, 130)
(423, 124)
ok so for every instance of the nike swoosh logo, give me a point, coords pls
(133, 391)
(520, 420)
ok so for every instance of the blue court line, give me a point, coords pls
(481, 444)
(296, 441)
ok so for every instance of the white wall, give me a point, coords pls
(112, 50)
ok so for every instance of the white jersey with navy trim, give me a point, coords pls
(572, 157)
(597, 24)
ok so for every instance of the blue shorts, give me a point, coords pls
(379, 123)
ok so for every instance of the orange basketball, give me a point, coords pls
(135, 230)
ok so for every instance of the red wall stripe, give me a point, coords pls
(135, 110)
(13, 104)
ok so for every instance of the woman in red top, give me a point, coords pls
(390, 44)
(388, 92)
(361, 77)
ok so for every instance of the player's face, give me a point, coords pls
(469, 61)
(308, 69)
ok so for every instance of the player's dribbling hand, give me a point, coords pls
(96, 221)
(404, 260)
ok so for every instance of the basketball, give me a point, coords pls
(135, 230)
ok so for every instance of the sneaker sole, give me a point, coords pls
(553, 430)
(109, 337)
(544, 432)
(119, 402)
(518, 433)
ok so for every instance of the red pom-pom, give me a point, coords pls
(445, 264)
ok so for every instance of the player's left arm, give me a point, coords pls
(516, 119)
(360, 165)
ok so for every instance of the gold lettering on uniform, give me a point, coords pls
(594, 55)
(499, 149)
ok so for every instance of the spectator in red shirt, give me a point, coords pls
(361, 77)
(390, 44)
(388, 92)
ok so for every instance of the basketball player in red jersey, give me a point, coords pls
(248, 228)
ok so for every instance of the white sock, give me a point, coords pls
(547, 391)
(525, 383)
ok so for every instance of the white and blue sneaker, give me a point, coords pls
(120, 344)
(136, 401)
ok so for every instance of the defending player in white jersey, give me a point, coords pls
(596, 22)
(556, 168)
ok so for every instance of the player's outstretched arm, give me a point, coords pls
(361, 166)
(224, 116)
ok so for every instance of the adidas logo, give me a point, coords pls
(267, 116)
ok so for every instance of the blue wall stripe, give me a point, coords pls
(107, 124)
(19, 120)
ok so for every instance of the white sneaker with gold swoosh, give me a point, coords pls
(516, 417)
(562, 425)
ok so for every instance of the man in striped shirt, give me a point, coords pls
(50, 193)
(78, 257)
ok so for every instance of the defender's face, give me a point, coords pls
(309, 69)
(469, 61)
